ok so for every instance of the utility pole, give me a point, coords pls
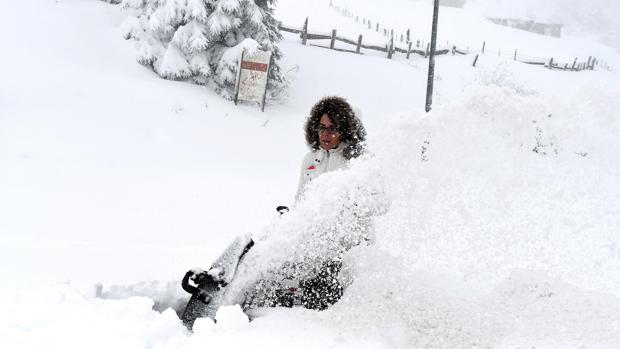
(431, 60)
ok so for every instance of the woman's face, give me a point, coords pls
(329, 135)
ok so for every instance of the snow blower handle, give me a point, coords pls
(282, 209)
(185, 282)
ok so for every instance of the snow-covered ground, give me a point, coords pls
(112, 176)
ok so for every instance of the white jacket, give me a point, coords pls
(317, 162)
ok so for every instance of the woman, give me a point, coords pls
(335, 135)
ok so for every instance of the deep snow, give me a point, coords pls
(113, 176)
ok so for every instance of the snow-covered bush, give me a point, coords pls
(201, 40)
(502, 76)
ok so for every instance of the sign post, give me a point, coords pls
(252, 76)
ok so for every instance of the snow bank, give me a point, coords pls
(508, 181)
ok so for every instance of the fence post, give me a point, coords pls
(369, 26)
(589, 59)
(409, 50)
(428, 47)
(484, 43)
(402, 38)
(566, 66)
(359, 44)
(551, 63)
(304, 33)
(377, 26)
(574, 63)
(392, 33)
(475, 60)
(515, 54)
(408, 35)
(390, 48)
(333, 42)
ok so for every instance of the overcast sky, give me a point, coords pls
(595, 17)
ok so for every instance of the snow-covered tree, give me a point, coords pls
(202, 40)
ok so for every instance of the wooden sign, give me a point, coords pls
(252, 76)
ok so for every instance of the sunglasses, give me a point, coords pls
(332, 130)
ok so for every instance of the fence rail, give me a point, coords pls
(549, 63)
(390, 48)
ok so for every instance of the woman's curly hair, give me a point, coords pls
(340, 114)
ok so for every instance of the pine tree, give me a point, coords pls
(202, 40)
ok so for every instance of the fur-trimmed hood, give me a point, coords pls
(342, 115)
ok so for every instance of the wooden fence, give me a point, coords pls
(391, 48)
(403, 37)
(550, 63)
(420, 49)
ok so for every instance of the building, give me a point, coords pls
(548, 29)
(452, 3)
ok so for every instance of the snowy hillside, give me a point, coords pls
(467, 30)
(503, 229)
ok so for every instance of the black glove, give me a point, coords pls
(206, 284)
(185, 282)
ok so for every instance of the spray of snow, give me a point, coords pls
(499, 210)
